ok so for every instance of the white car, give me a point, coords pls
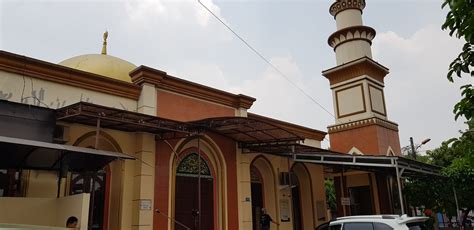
(375, 222)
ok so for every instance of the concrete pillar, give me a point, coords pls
(143, 183)
(144, 172)
(244, 190)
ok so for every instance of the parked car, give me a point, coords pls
(375, 222)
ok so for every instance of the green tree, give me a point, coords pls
(330, 194)
(436, 193)
(462, 175)
(460, 23)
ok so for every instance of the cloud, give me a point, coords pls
(146, 12)
(205, 73)
(418, 95)
(280, 99)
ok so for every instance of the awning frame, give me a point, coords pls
(58, 152)
(118, 119)
(360, 161)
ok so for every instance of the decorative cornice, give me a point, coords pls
(297, 129)
(356, 68)
(352, 33)
(162, 80)
(341, 5)
(26, 66)
(362, 123)
(144, 74)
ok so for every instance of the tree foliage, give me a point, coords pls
(330, 194)
(437, 193)
(455, 156)
(460, 23)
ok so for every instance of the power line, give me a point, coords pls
(265, 59)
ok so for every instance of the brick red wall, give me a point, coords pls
(371, 140)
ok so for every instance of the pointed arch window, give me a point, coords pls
(255, 176)
(189, 166)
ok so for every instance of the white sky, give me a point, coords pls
(181, 38)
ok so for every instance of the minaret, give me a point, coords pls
(357, 84)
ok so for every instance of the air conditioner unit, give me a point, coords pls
(284, 178)
(61, 134)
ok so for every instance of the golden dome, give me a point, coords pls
(102, 64)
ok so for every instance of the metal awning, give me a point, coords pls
(248, 131)
(285, 149)
(112, 118)
(387, 164)
(19, 153)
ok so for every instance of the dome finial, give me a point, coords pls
(104, 45)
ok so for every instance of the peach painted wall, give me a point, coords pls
(183, 108)
(371, 140)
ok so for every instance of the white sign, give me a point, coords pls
(145, 204)
(284, 210)
(345, 201)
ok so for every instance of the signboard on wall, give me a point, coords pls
(284, 210)
(345, 200)
(145, 204)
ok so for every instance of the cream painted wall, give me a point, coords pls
(312, 193)
(357, 180)
(54, 95)
(312, 143)
(352, 50)
(244, 190)
(306, 196)
(319, 193)
(241, 112)
(376, 97)
(42, 184)
(122, 179)
(45, 211)
(348, 18)
(350, 100)
(116, 186)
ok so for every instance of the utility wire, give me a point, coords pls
(265, 59)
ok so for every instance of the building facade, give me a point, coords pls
(234, 186)
(202, 161)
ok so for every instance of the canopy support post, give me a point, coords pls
(402, 206)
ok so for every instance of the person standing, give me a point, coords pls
(265, 220)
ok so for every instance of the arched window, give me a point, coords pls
(189, 166)
(255, 176)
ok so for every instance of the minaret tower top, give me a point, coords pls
(352, 40)
(357, 84)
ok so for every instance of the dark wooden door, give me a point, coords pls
(257, 204)
(187, 203)
(361, 200)
(295, 195)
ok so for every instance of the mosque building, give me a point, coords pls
(122, 146)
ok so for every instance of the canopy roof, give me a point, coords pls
(247, 130)
(387, 164)
(29, 154)
(252, 135)
(112, 118)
